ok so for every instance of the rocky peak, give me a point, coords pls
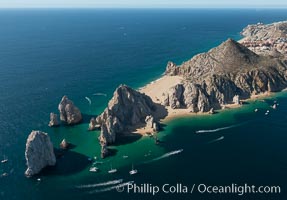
(127, 109)
(69, 113)
(39, 152)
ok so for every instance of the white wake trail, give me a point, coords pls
(111, 188)
(101, 184)
(100, 94)
(166, 155)
(216, 140)
(219, 129)
(89, 100)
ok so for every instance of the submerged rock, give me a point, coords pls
(53, 120)
(69, 113)
(39, 152)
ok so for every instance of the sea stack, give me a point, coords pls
(53, 120)
(69, 113)
(126, 110)
(39, 153)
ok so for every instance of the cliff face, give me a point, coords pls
(69, 113)
(128, 108)
(215, 77)
(39, 152)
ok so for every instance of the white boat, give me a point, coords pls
(266, 113)
(93, 169)
(4, 161)
(111, 171)
(38, 179)
(256, 110)
(125, 157)
(133, 171)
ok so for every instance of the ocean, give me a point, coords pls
(48, 53)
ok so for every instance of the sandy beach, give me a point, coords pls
(157, 88)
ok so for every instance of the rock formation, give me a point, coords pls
(212, 79)
(64, 144)
(93, 125)
(236, 99)
(127, 109)
(69, 113)
(39, 152)
(53, 120)
(151, 123)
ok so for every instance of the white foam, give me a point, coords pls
(111, 188)
(100, 94)
(101, 184)
(89, 100)
(166, 155)
(215, 130)
(216, 140)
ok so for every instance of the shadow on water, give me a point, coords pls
(69, 162)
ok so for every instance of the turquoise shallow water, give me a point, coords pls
(45, 54)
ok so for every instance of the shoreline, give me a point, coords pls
(156, 88)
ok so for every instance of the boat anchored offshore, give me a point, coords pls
(111, 171)
(133, 171)
(4, 161)
(94, 169)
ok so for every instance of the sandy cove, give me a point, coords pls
(157, 88)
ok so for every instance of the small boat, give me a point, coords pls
(4, 174)
(95, 158)
(133, 171)
(256, 110)
(111, 171)
(274, 106)
(90, 159)
(98, 162)
(94, 169)
(266, 113)
(38, 179)
(4, 161)
(125, 157)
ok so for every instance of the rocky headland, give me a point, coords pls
(126, 111)
(39, 153)
(222, 77)
(266, 39)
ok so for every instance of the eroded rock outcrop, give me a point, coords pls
(126, 110)
(230, 70)
(69, 113)
(39, 152)
(151, 124)
(53, 120)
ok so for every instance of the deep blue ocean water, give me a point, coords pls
(45, 54)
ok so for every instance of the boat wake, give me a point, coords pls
(216, 140)
(89, 100)
(217, 129)
(100, 94)
(119, 187)
(166, 155)
(101, 184)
